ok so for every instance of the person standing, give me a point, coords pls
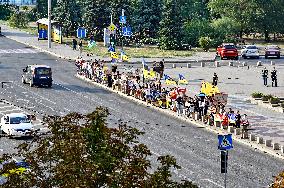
(74, 43)
(162, 68)
(81, 46)
(274, 77)
(215, 79)
(265, 76)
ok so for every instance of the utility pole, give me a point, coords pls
(49, 23)
(122, 14)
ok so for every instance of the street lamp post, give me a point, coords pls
(49, 23)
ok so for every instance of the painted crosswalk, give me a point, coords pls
(18, 51)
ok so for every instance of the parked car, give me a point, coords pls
(228, 51)
(250, 51)
(272, 51)
(37, 75)
(16, 124)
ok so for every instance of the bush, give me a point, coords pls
(19, 20)
(204, 43)
(266, 97)
(256, 95)
(274, 100)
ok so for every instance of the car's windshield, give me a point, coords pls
(272, 47)
(251, 47)
(229, 46)
(43, 71)
(18, 120)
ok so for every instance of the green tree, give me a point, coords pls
(6, 11)
(82, 151)
(170, 33)
(146, 18)
(96, 16)
(241, 11)
(194, 9)
(19, 20)
(195, 29)
(67, 12)
(41, 8)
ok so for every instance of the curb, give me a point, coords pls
(237, 137)
(267, 106)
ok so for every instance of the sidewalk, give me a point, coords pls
(239, 83)
(66, 52)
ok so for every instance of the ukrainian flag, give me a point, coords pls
(182, 80)
(113, 55)
(169, 80)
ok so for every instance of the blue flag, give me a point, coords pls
(167, 77)
(181, 77)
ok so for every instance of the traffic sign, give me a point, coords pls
(225, 142)
(81, 32)
(112, 27)
(126, 31)
(122, 19)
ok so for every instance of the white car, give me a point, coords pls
(16, 124)
(250, 51)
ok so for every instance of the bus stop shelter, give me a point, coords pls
(56, 32)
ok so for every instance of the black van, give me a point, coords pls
(37, 75)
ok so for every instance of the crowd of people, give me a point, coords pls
(132, 83)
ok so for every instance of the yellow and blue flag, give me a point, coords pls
(182, 79)
(169, 80)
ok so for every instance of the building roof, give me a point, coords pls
(45, 21)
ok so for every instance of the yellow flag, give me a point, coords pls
(112, 27)
(125, 58)
(114, 55)
(184, 82)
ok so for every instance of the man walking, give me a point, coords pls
(274, 77)
(81, 46)
(74, 43)
(215, 79)
(265, 76)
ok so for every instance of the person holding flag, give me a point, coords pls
(182, 79)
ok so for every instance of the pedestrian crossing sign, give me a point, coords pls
(112, 27)
(225, 142)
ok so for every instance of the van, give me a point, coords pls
(37, 75)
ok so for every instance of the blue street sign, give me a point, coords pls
(126, 31)
(122, 19)
(225, 142)
(81, 32)
(42, 34)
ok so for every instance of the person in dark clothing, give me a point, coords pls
(215, 79)
(265, 76)
(74, 43)
(109, 80)
(113, 69)
(238, 119)
(162, 68)
(274, 77)
(81, 46)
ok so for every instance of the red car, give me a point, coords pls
(228, 51)
(272, 51)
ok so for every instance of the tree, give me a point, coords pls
(41, 8)
(19, 20)
(146, 18)
(170, 33)
(241, 11)
(6, 10)
(96, 16)
(67, 12)
(195, 29)
(83, 151)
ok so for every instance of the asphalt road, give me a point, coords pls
(195, 148)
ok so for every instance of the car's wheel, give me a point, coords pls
(222, 57)
(23, 80)
(49, 85)
(31, 83)
(244, 56)
(237, 58)
(278, 57)
(266, 56)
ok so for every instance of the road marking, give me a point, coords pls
(15, 109)
(18, 51)
(5, 106)
(213, 182)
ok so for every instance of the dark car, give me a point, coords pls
(272, 51)
(37, 75)
(228, 51)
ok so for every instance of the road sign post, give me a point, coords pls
(225, 144)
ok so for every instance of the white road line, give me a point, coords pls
(5, 106)
(213, 182)
(11, 110)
